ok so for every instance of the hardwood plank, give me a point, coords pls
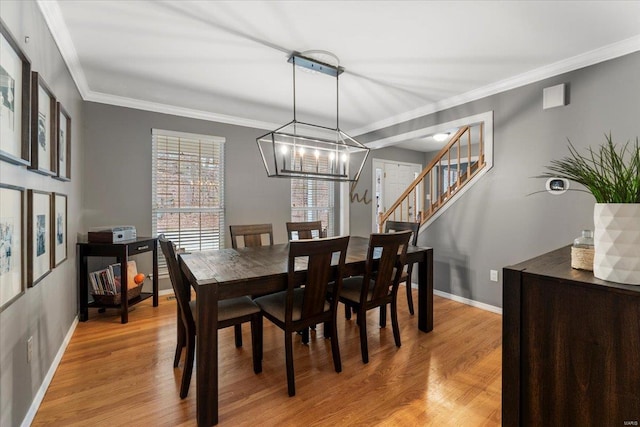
(114, 374)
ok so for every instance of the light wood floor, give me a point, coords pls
(122, 375)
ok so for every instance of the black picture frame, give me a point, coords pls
(63, 137)
(38, 236)
(15, 100)
(12, 232)
(43, 127)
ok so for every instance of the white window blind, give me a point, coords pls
(313, 200)
(188, 189)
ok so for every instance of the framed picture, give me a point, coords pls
(15, 97)
(43, 127)
(59, 229)
(38, 236)
(11, 238)
(64, 144)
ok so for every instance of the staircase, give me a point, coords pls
(453, 168)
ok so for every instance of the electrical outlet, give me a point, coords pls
(493, 275)
(29, 349)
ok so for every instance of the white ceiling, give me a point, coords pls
(227, 60)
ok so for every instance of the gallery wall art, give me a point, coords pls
(43, 127)
(59, 229)
(64, 144)
(38, 236)
(11, 237)
(15, 98)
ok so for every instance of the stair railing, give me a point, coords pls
(434, 186)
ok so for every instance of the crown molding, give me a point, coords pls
(53, 17)
(157, 107)
(602, 54)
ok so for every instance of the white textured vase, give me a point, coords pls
(617, 242)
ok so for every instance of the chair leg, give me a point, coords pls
(180, 339)
(179, 345)
(256, 342)
(394, 321)
(347, 312)
(238, 333)
(362, 322)
(409, 295)
(305, 336)
(335, 348)
(291, 382)
(188, 366)
(383, 316)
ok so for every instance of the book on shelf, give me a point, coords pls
(107, 281)
(102, 282)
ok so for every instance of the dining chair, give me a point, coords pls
(299, 231)
(386, 257)
(231, 312)
(304, 230)
(251, 234)
(299, 307)
(393, 226)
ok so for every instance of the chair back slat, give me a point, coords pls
(386, 255)
(304, 230)
(251, 234)
(319, 254)
(181, 288)
(394, 226)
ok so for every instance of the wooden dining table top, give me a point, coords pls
(234, 270)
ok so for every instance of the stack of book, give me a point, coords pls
(106, 281)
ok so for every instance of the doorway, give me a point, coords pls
(391, 179)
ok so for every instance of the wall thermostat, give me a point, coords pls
(557, 185)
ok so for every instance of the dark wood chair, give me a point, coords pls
(299, 307)
(305, 230)
(393, 226)
(386, 257)
(231, 312)
(251, 234)
(300, 231)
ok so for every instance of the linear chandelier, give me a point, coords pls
(305, 150)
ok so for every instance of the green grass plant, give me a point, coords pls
(612, 175)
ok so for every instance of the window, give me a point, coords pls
(313, 200)
(188, 189)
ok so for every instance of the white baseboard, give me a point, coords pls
(37, 400)
(472, 303)
(165, 292)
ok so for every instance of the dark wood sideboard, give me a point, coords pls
(570, 346)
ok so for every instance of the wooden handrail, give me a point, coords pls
(438, 199)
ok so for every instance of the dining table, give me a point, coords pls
(228, 273)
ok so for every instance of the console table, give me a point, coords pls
(121, 251)
(570, 346)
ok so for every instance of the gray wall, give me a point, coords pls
(117, 186)
(47, 310)
(497, 223)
